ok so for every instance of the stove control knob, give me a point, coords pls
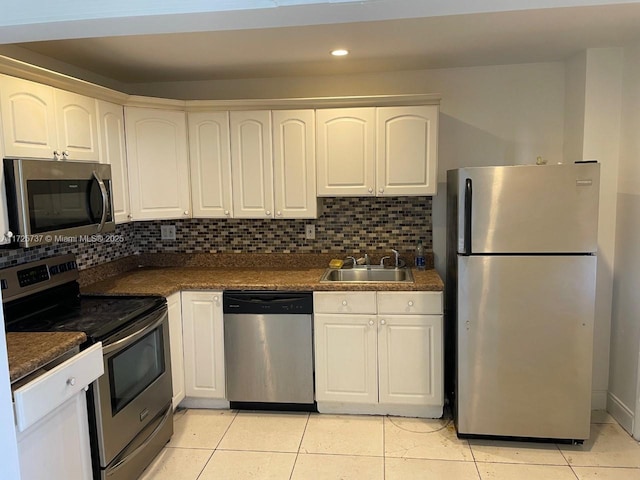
(71, 381)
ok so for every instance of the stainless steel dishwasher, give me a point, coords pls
(268, 349)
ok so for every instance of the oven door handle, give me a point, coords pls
(157, 320)
(105, 200)
(120, 462)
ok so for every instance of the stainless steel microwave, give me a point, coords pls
(55, 201)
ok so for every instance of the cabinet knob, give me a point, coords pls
(410, 303)
(56, 155)
(279, 213)
(381, 190)
(383, 322)
(268, 212)
(226, 212)
(186, 212)
(216, 299)
(371, 322)
(65, 154)
(344, 302)
(129, 216)
(71, 381)
(370, 190)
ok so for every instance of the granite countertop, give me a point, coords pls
(167, 280)
(30, 351)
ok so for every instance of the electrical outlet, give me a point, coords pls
(310, 232)
(167, 232)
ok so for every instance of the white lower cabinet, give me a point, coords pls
(203, 341)
(379, 352)
(174, 306)
(51, 419)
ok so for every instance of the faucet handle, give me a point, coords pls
(383, 259)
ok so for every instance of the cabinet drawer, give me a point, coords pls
(42, 395)
(344, 302)
(409, 303)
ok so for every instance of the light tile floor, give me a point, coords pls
(230, 445)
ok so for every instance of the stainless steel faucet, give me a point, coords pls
(397, 256)
(367, 261)
(353, 259)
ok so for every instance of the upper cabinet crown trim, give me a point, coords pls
(17, 68)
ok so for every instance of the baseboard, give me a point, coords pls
(598, 399)
(618, 410)
(193, 402)
(418, 411)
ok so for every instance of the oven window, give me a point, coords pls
(135, 368)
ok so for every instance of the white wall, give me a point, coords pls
(601, 141)
(624, 383)
(8, 444)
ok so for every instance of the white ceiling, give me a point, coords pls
(517, 36)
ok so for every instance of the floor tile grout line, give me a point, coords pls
(295, 460)
(205, 464)
(384, 447)
(235, 415)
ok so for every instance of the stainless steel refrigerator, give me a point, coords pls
(520, 294)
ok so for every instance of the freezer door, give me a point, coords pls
(524, 343)
(528, 209)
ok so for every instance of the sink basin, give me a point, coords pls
(368, 275)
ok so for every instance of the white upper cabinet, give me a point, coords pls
(377, 151)
(251, 164)
(346, 151)
(210, 161)
(28, 118)
(294, 165)
(43, 122)
(158, 162)
(406, 150)
(76, 119)
(113, 152)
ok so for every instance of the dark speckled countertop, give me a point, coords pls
(30, 351)
(167, 280)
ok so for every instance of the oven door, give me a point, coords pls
(136, 386)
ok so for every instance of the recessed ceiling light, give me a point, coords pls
(340, 52)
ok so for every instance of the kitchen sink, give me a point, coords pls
(367, 275)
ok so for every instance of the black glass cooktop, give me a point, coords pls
(95, 315)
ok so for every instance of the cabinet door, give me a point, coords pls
(158, 163)
(294, 164)
(28, 118)
(346, 365)
(203, 344)
(57, 446)
(410, 359)
(346, 151)
(251, 164)
(210, 162)
(112, 151)
(407, 139)
(174, 307)
(77, 125)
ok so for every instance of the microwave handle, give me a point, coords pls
(105, 200)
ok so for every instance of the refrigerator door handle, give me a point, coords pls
(468, 196)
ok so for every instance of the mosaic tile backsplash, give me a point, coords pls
(347, 224)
